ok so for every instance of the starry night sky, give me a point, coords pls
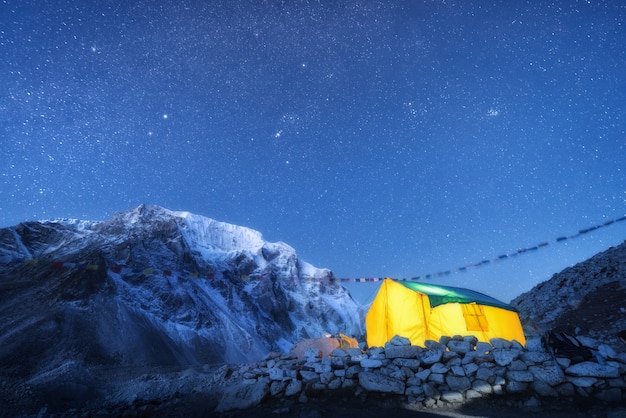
(378, 138)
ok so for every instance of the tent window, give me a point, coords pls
(475, 319)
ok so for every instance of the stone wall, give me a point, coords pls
(451, 371)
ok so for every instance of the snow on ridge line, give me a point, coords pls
(213, 236)
(209, 236)
(200, 229)
(78, 224)
(20, 244)
(227, 237)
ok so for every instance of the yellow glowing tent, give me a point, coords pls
(420, 312)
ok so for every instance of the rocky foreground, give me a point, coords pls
(451, 374)
(446, 373)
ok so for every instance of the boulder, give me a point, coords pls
(534, 344)
(376, 382)
(544, 389)
(504, 357)
(243, 396)
(606, 351)
(434, 345)
(339, 362)
(414, 391)
(483, 348)
(458, 383)
(520, 375)
(323, 366)
(500, 343)
(353, 371)
(472, 340)
(369, 363)
(452, 397)
(477, 357)
(518, 365)
(460, 347)
(482, 387)
(454, 361)
(486, 374)
(536, 357)
(335, 384)
(429, 357)
(327, 377)
(377, 355)
(340, 352)
(356, 358)
(444, 340)
(294, 387)
(439, 368)
(473, 394)
(376, 352)
(276, 373)
(411, 363)
(588, 368)
(423, 374)
(414, 381)
(470, 369)
(404, 351)
(551, 375)
(438, 378)
(309, 376)
(430, 390)
(276, 387)
(583, 381)
(457, 371)
(516, 345)
(397, 340)
(563, 362)
(515, 386)
(449, 356)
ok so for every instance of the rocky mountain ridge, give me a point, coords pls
(588, 298)
(153, 287)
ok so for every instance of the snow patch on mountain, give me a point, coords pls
(20, 244)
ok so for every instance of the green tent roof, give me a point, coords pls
(438, 295)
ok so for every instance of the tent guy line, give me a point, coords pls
(150, 271)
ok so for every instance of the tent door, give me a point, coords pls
(475, 319)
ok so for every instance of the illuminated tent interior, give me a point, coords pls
(420, 312)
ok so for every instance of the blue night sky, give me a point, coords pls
(378, 138)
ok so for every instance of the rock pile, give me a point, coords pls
(450, 371)
(564, 296)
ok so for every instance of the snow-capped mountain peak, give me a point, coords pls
(154, 286)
